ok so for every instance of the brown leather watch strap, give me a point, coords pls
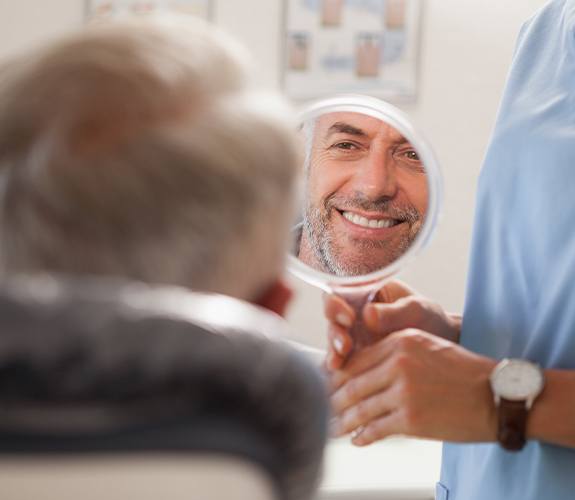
(512, 416)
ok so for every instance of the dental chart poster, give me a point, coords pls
(100, 10)
(358, 46)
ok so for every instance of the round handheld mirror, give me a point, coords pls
(370, 198)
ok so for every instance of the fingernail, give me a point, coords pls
(338, 344)
(356, 433)
(358, 436)
(343, 320)
(358, 441)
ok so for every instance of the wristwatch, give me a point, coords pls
(515, 383)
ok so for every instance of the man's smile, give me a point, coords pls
(369, 221)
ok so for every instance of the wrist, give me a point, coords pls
(536, 418)
(553, 413)
(478, 423)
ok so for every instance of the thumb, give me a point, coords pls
(393, 291)
(383, 319)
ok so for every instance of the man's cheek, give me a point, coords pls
(335, 178)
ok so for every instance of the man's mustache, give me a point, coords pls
(384, 205)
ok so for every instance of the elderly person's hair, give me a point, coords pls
(142, 150)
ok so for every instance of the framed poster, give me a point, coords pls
(100, 10)
(358, 46)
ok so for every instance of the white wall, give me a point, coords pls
(27, 22)
(466, 50)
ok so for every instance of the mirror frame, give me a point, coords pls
(383, 111)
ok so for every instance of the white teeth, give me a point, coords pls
(362, 221)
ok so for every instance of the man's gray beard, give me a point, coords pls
(326, 249)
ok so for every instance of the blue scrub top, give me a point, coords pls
(521, 292)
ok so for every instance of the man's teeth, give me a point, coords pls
(372, 223)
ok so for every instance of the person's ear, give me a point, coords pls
(276, 297)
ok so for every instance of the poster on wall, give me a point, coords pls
(358, 46)
(101, 10)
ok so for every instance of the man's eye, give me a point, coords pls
(346, 146)
(411, 155)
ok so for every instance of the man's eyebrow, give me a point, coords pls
(345, 128)
(400, 141)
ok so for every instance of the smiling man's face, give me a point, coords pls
(367, 195)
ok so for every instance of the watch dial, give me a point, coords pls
(517, 380)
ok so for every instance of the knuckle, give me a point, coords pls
(376, 429)
(352, 390)
(419, 311)
(406, 341)
(363, 411)
(370, 433)
(414, 305)
(413, 334)
(401, 362)
(412, 339)
(400, 343)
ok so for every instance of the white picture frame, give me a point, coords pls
(101, 10)
(351, 46)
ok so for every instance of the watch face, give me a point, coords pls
(517, 380)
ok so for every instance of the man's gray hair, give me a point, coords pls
(141, 150)
(308, 128)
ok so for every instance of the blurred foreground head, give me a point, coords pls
(143, 151)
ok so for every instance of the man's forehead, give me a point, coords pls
(355, 123)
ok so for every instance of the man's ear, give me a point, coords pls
(276, 297)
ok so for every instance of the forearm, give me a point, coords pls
(552, 418)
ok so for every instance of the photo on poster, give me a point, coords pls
(351, 46)
(101, 10)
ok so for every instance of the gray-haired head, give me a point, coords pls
(142, 150)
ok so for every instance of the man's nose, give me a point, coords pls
(376, 176)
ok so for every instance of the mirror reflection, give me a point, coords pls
(366, 194)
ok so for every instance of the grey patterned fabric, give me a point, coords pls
(91, 366)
